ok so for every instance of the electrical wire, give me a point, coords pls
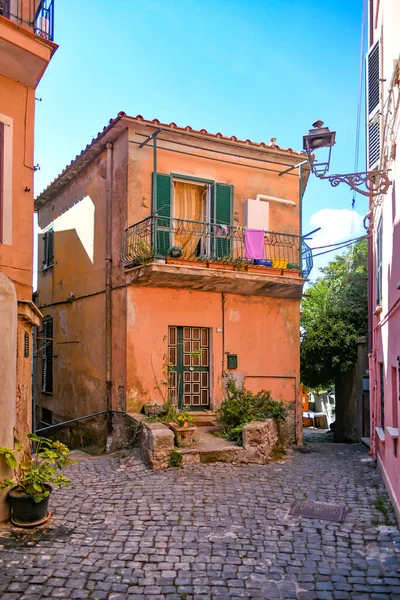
(336, 249)
(340, 243)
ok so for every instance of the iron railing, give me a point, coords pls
(177, 239)
(38, 15)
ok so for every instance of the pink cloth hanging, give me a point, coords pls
(254, 243)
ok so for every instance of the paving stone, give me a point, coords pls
(210, 531)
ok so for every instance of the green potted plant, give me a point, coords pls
(30, 487)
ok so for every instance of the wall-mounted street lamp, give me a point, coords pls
(376, 182)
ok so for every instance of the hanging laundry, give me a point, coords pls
(254, 243)
(221, 230)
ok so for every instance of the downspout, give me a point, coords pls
(109, 194)
(223, 300)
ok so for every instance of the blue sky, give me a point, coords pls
(251, 68)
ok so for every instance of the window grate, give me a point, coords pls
(26, 344)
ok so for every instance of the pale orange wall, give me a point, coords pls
(78, 358)
(79, 325)
(247, 180)
(263, 332)
(18, 102)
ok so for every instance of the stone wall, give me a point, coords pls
(259, 440)
(156, 442)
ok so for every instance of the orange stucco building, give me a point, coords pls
(26, 47)
(170, 258)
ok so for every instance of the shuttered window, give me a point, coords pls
(47, 355)
(221, 214)
(373, 88)
(48, 252)
(161, 236)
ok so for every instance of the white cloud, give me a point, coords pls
(337, 225)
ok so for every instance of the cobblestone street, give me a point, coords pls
(209, 531)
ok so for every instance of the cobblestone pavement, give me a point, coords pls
(211, 531)
(317, 436)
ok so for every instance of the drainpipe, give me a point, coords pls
(109, 194)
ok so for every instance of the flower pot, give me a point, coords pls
(24, 511)
(184, 436)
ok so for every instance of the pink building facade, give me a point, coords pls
(383, 126)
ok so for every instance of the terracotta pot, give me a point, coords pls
(184, 436)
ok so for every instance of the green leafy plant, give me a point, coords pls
(33, 471)
(175, 459)
(242, 406)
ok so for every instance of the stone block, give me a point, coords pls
(156, 445)
(259, 439)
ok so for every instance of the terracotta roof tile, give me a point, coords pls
(166, 126)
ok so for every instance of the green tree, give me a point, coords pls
(334, 315)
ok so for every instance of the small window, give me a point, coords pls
(379, 263)
(47, 355)
(47, 416)
(26, 344)
(48, 253)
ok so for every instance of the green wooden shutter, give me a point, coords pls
(222, 213)
(162, 208)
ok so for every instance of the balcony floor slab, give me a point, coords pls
(216, 280)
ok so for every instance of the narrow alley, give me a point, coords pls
(210, 531)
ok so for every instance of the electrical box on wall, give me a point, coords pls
(232, 361)
(256, 214)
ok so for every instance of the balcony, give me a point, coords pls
(37, 15)
(167, 252)
(26, 39)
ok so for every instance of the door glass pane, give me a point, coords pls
(172, 336)
(186, 333)
(195, 333)
(196, 376)
(195, 346)
(186, 376)
(196, 360)
(172, 379)
(204, 397)
(186, 360)
(186, 346)
(172, 357)
(204, 380)
(196, 400)
(186, 388)
(195, 388)
(204, 357)
(186, 400)
(204, 337)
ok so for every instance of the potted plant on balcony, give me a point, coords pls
(30, 487)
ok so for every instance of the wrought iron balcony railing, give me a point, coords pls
(38, 15)
(181, 240)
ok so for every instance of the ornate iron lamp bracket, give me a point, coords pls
(376, 182)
